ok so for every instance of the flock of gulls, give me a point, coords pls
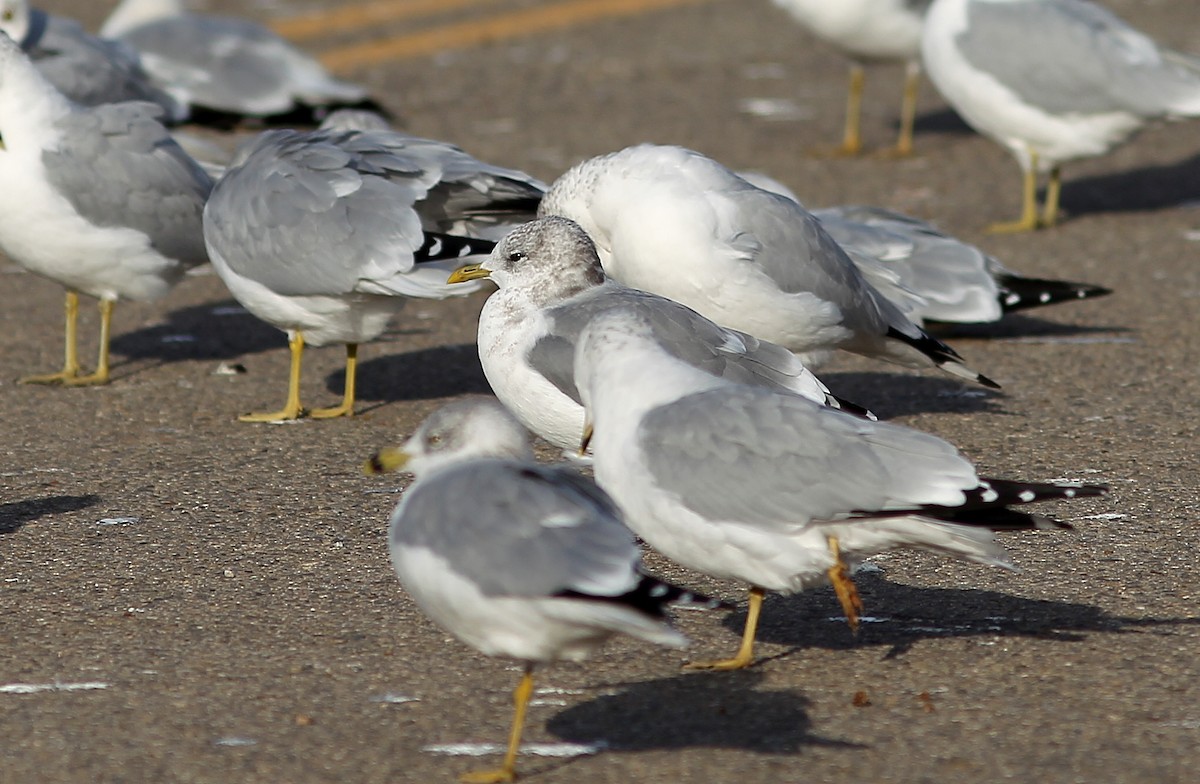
(656, 315)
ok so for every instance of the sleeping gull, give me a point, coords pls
(224, 65)
(674, 222)
(1053, 81)
(773, 490)
(98, 199)
(514, 558)
(320, 233)
(551, 287)
(869, 31)
(934, 276)
(86, 69)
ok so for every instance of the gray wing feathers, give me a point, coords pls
(521, 530)
(745, 455)
(1099, 63)
(119, 167)
(319, 213)
(684, 333)
(234, 65)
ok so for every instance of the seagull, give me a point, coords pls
(869, 31)
(319, 234)
(88, 70)
(514, 558)
(774, 490)
(1052, 81)
(99, 199)
(672, 221)
(224, 66)
(551, 286)
(928, 274)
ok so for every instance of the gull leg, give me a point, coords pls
(852, 135)
(843, 586)
(745, 655)
(508, 770)
(1053, 192)
(908, 109)
(101, 374)
(71, 358)
(347, 406)
(291, 409)
(1029, 213)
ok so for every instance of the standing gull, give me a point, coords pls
(88, 70)
(514, 558)
(774, 490)
(551, 287)
(226, 66)
(98, 199)
(320, 233)
(869, 31)
(674, 222)
(1053, 81)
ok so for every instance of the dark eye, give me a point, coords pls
(7, 15)
(433, 440)
(517, 255)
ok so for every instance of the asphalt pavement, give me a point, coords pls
(187, 598)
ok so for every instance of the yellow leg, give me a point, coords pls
(852, 134)
(291, 409)
(508, 771)
(843, 586)
(101, 374)
(745, 655)
(71, 359)
(347, 406)
(1053, 192)
(908, 109)
(1029, 212)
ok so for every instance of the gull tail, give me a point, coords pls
(941, 355)
(988, 504)
(1020, 293)
(438, 247)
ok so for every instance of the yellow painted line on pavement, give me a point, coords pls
(364, 15)
(515, 24)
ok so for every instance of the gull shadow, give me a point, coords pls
(1020, 325)
(15, 514)
(939, 121)
(891, 395)
(214, 330)
(709, 710)
(1138, 190)
(430, 373)
(898, 616)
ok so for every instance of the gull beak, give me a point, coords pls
(587, 438)
(385, 460)
(469, 272)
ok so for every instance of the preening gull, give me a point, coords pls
(320, 233)
(1053, 81)
(514, 558)
(869, 31)
(677, 223)
(99, 199)
(88, 70)
(741, 482)
(226, 65)
(551, 286)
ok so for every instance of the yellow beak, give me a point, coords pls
(385, 460)
(586, 440)
(469, 272)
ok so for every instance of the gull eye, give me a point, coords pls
(7, 15)
(517, 255)
(433, 440)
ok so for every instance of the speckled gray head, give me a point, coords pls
(552, 256)
(463, 430)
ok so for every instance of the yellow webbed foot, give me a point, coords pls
(844, 587)
(330, 413)
(738, 662)
(285, 414)
(61, 377)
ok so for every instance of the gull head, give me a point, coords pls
(551, 259)
(463, 430)
(15, 19)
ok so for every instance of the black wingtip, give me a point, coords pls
(652, 596)
(438, 247)
(987, 382)
(1020, 293)
(942, 355)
